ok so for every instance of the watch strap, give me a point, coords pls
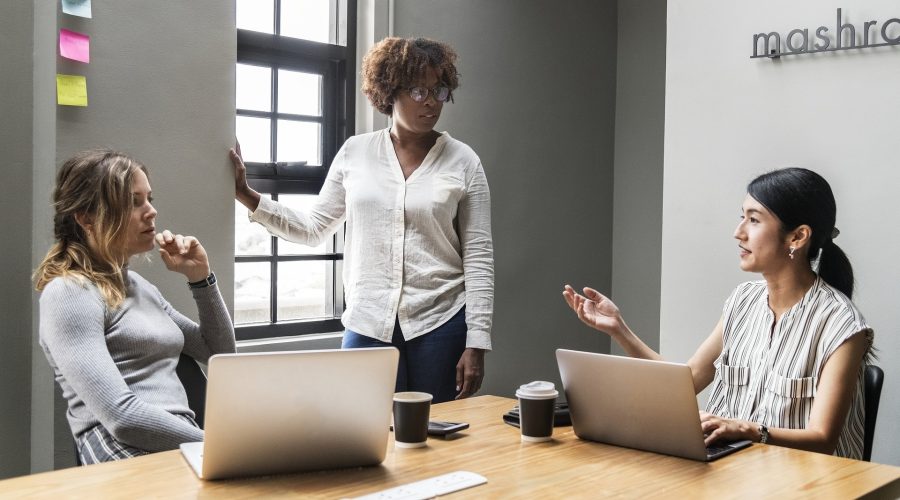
(205, 282)
(763, 433)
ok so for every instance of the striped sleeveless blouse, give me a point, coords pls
(773, 380)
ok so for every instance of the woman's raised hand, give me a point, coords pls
(595, 310)
(242, 190)
(183, 254)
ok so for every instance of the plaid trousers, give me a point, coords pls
(97, 445)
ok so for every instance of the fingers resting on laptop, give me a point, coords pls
(717, 428)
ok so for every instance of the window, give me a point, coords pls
(294, 108)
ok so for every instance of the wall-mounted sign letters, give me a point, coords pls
(845, 37)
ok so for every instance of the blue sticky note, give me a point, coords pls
(80, 8)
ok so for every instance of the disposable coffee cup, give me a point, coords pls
(536, 407)
(411, 411)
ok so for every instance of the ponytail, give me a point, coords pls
(835, 268)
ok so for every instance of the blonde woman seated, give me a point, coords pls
(111, 338)
(786, 358)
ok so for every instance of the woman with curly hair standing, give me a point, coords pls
(419, 266)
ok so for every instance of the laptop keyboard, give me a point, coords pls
(714, 450)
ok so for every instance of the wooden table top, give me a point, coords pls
(564, 467)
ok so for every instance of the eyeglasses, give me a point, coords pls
(420, 94)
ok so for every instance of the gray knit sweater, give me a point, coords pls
(117, 367)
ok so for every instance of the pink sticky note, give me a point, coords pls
(75, 46)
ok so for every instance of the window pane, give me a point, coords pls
(299, 141)
(254, 134)
(252, 292)
(300, 202)
(253, 89)
(299, 93)
(250, 238)
(304, 291)
(307, 19)
(256, 15)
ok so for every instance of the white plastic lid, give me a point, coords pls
(539, 389)
(412, 397)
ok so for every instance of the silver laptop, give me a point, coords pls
(636, 403)
(279, 412)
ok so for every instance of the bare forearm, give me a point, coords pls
(249, 198)
(801, 439)
(633, 345)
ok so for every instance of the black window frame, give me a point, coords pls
(336, 64)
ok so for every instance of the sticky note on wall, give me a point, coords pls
(75, 46)
(71, 90)
(80, 8)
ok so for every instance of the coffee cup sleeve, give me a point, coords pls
(561, 416)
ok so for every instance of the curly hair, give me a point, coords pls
(395, 63)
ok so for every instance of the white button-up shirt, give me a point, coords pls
(416, 249)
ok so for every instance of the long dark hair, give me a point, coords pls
(799, 196)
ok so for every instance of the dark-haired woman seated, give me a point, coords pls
(786, 358)
(111, 338)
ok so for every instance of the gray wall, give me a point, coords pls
(373, 23)
(638, 188)
(16, 28)
(46, 416)
(537, 103)
(729, 118)
(160, 87)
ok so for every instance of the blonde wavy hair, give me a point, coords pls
(95, 185)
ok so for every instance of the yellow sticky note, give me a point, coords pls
(71, 90)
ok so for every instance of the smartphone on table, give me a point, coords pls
(440, 428)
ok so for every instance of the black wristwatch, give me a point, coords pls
(763, 433)
(205, 282)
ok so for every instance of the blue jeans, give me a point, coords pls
(428, 362)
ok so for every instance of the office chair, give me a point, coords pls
(194, 381)
(874, 378)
